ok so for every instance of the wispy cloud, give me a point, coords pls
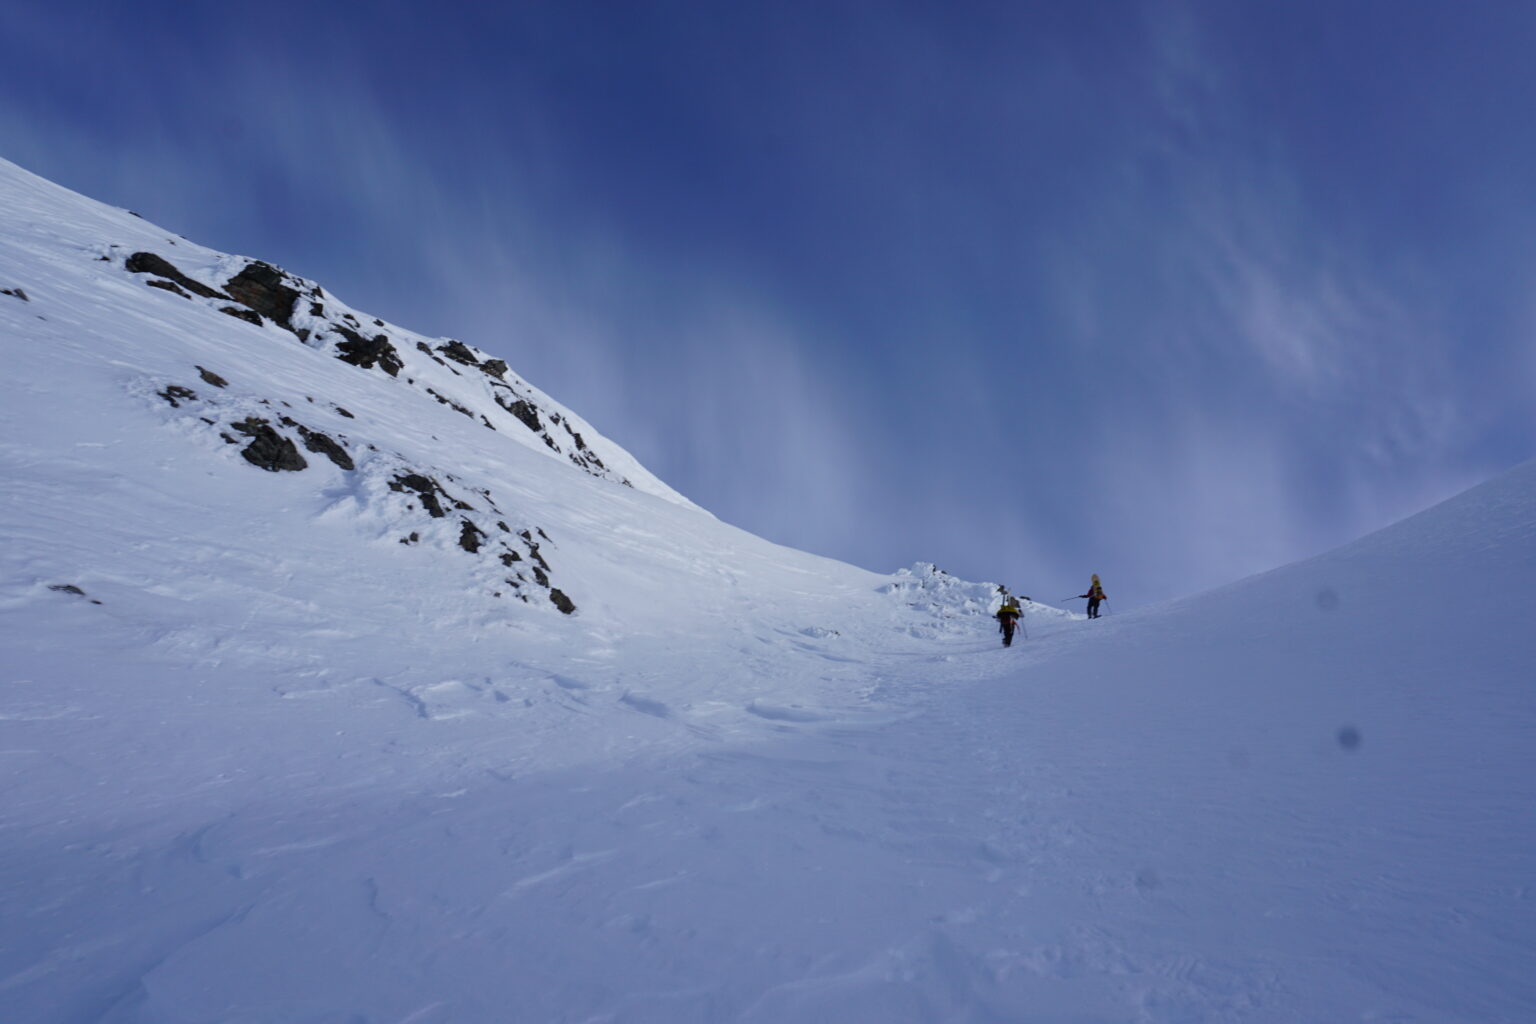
(1293, 391)
(1017, 315)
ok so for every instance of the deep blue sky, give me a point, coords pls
(1172, 292)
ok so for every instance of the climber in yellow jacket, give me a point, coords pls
(1095, 595)
(1008, 619)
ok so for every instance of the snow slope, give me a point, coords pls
(295, 766)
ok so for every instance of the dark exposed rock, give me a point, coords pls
(66, 588)
(411, 539)
(149, 263)
(250, 425)
(508, 556)
(424, 486)
(459, 353)
(250, 316)
(169, 286)
(344, 412)
(366, 352)
(533, 547)
(541, 576)
(562, 602)
(176, 394)
(209, 377)
(260, 286)
(315, 441)
(524, 411)
(316, 309)
(452, 404)
(470, 536)
(17, 292)
(269, 449)
(495, 367)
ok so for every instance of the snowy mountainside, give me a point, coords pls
(200, 443)
(229, 346)
(265, 757)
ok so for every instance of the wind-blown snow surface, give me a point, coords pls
(290, 769)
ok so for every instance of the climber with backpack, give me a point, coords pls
(1095, 595)
(1008, 619)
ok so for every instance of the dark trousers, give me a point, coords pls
(1008, 625)
(1093, 607)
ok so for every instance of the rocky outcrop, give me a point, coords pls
(368, 352)
(267, 294)
(268, 449)
(426, 507)
(149, 263)
(250, 316)
(459, 353)
(263, 288)
(209, 377)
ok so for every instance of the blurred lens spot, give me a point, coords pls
(1327, 599)
(1349, 738)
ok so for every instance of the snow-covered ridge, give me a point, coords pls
(950, 606)
(289, 308)
(400, 439)
(265, 296)
(223, 348)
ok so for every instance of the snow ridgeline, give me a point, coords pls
(400, 439)
(475, 385)
(226, 346)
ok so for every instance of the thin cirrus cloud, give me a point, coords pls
(1289, 376)
(1022, 291)
(687, 369)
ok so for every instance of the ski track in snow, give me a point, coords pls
(266, 763)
